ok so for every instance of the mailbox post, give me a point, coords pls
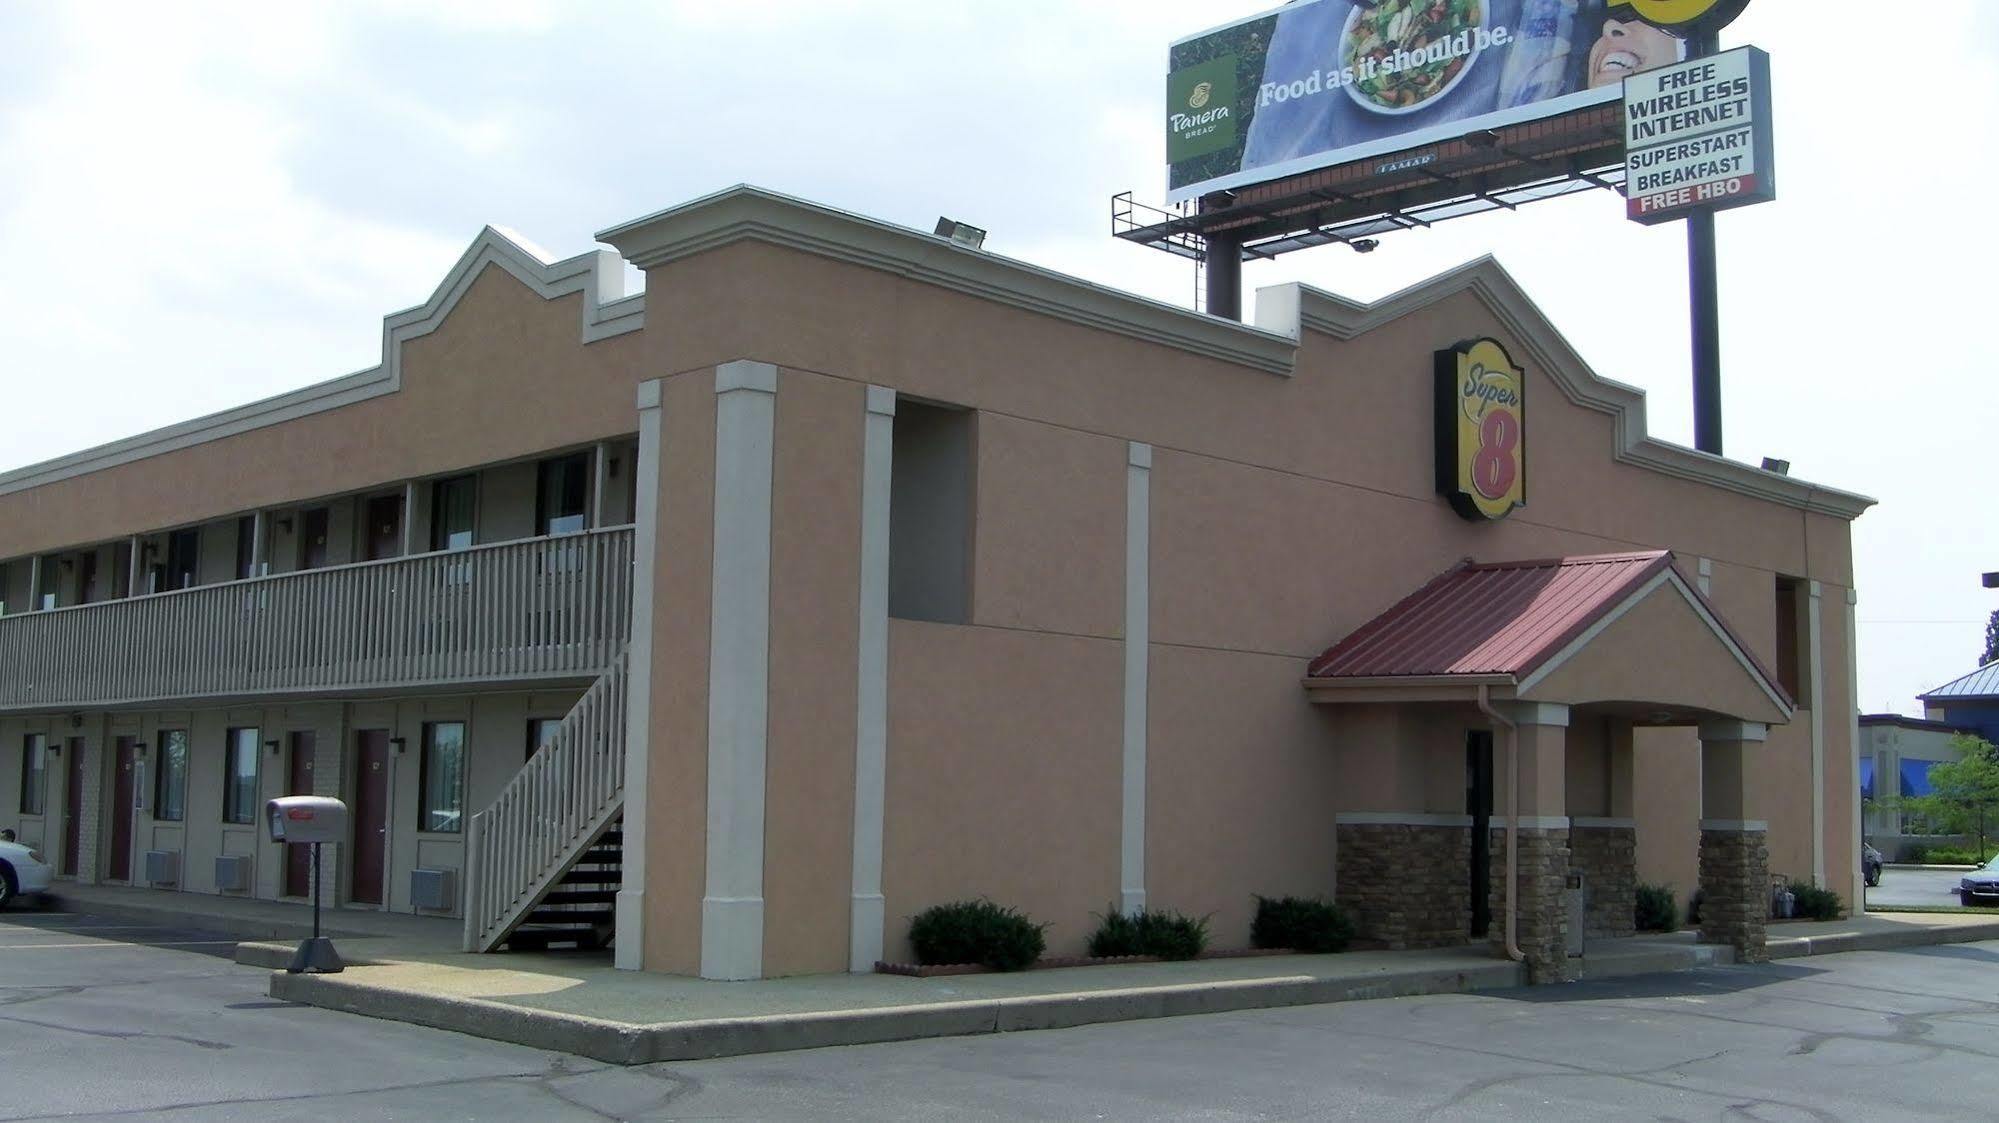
(298, 820)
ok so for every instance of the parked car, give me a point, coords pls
(1980, 886)
(1870, 865)
(21, 871)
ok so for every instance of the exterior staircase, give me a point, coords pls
(544, 861)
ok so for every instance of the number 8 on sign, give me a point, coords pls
(1481, 430)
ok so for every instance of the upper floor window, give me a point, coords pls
(170, 782)
(183, 558)
(239, 777)
(562, 495)
(34, 773)
(453, 508)
(246, 547)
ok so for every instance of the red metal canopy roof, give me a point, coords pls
(1505, 618)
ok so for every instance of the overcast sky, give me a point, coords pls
(204, 205)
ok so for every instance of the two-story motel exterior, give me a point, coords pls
(846, 571)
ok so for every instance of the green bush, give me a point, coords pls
(1657, 911)
(976, 932)
(1161, 932)
(1304, 924)
(1815, 903)
(1948, 856)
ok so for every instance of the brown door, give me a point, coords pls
(313, 529)
(72, 808)
(127, 758)
(385, 527)
(371, 815)
(298, 859)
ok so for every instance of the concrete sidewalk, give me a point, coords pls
(365, 935)
(584, 1006)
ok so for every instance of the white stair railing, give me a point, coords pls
(548, 815)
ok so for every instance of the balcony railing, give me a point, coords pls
(542, 608)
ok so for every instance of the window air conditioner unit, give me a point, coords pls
(232, 873)
(433, 889)
(163, 867)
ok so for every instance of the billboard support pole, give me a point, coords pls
(1704, 297)
(1224, 265)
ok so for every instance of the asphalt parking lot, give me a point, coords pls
(1914, 885)
(104, 1020)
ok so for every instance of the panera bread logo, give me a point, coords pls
(1201, 109)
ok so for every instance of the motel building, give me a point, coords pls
(846, 571)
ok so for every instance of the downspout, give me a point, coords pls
(1513, 951)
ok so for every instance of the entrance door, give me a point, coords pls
(385, 527)
(313, 531)
(371, 815)
(298, 859)
(126, 757)
(72, 808)
(1478, 804)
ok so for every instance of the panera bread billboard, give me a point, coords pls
(1325, 82)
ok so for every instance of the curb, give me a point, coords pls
(1798, 947)
(633, 1044)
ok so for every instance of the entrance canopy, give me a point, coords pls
(1621, 631)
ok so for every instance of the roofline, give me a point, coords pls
(745, 213)
(1906, 722)
(1938, 693)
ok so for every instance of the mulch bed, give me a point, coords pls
(921, 971)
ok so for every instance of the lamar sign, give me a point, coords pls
(1481, 430)
(1697, 135)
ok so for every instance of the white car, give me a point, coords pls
(22, 871)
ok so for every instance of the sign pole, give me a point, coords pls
(1704, 299)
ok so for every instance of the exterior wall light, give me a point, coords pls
(398, 744)
(961, 233)
(1772, 464)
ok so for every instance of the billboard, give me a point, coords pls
(1697, 135)
(1323, 82)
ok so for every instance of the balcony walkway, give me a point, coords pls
(540, 609)
(361, 934)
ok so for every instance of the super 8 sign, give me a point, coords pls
(1683, 15)
(1481, 430)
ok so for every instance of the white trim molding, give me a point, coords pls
(1857, 893)
(1736, 826)
(732, 910)
(629, 953)
(1552, 714)
(868, 919)
(1398, 819)
(598, 275)
(1137, 659)
(1729, 730)
(1536, 822)
(1589, 823)
(1814, 660)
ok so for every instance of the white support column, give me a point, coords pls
(132, 579)
(260, 545)
(409, 518)
(1813, 660)
(1857, 890)
(869, 918)
(629, 946)
(739, 670)
(1137, 654)
(600, 460)
(35, 583)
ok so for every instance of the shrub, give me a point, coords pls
(1815, 903)
(1948, 856)
(1304, 924)
(1160, 932)
(976, 932)
(1657, 911)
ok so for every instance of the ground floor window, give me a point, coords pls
(34, 772)
(170, 784)
(442, 796)
(239, 777)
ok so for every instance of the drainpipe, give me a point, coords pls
(1513, 951)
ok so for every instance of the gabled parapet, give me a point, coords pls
(607, 311)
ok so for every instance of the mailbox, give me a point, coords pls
(306, 818)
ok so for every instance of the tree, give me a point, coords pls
(1991, 639)
(1964, 793)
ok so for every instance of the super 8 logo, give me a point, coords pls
(1481, 430)
(1676, 14)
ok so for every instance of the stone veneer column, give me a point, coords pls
(1735, 857)
(1540, 740)
(1606, 852)
(1405, 878)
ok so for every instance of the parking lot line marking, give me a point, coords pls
(120, 944)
